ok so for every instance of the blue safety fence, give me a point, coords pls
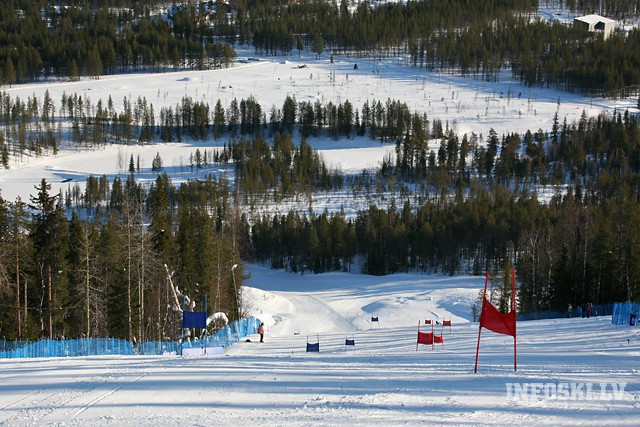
(625, 313)
(66, 348)
(598, 310)
(115, 346)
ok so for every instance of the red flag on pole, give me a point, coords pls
(496, 321)
(424, 337)
(502, 323)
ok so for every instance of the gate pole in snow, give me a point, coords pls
(205, 324)
(486, 281)
(433, 338)
(515, 315)
(182, 324)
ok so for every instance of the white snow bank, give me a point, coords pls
(343, 302)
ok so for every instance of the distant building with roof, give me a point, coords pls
(596, 24)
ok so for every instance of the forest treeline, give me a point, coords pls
(67, 275)
(473, 38)
(39, 39)
(37, 126)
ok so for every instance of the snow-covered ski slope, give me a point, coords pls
(383, 381)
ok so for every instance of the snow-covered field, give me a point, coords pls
(465, 104)
(383, 381)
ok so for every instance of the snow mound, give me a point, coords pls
(343, 303)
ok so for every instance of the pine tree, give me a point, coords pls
(49, 241)
(318, 45)
(156, 164)
(19, 255)
(9, 72)
(161, 227)
(132, 166)
(218, 120)
(492, 151)
(289, 113)
(72, 70)
(82, 274)
(5, 285)
(4, 152)
(94, 63)
(112, 272)
(299, 44)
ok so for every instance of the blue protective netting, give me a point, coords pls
(114, 346)
(625, 313)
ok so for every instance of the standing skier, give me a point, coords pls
(261, 332)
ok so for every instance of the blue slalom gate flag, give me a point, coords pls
(194, 319)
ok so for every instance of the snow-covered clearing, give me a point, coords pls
(465, 104)
(384, 381)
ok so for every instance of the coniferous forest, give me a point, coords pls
(101, 260)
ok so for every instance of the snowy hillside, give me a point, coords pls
(383, 381)
(463, 104)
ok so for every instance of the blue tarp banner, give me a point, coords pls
(194, 319)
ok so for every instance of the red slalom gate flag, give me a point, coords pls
(496, 321)
(501, 323)
(425, 338)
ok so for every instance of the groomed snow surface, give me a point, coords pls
(383, 381)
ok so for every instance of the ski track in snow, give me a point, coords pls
(382, 381)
